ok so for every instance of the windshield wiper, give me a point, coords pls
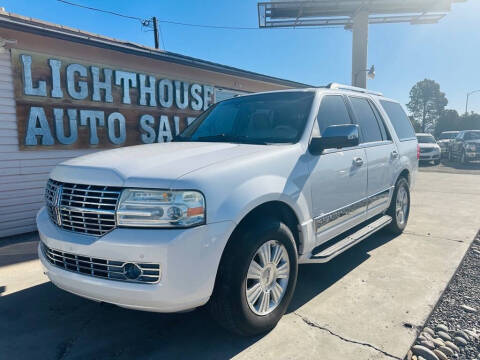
(224, 138)
(231, 139)
(217, 137)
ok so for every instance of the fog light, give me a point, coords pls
(131, 271)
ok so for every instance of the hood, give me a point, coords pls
(153, 165)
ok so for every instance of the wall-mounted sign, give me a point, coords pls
(65, 103)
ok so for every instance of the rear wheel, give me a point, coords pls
(399, 207)
(256, 278)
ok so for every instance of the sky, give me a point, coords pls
(447, 52)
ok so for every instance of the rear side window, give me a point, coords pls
(332, 112)
(402, 125)
(381, 123)
(366, 120)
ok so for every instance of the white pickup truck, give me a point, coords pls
(224, 214)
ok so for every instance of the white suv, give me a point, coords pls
(224, 214)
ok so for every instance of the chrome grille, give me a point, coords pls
(107, 269)
(87, 209)
(426, 150)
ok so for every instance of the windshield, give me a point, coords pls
(444, 136)
(254, 119)
(426, 139)
(473, 135)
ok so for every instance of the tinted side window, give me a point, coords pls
(332, 112)
(399, 119)
(381, 123)
(366, 120)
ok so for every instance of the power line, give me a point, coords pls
(205, 26)
(100, 10)
(209, 26)
(161, 36)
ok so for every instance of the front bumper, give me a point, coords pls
(188, 259)
(472, 155)
(429, 156)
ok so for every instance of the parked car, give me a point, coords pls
(465, 147)
(443, 141)
(223, 215)
(429, 149)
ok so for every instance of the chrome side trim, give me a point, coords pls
(338, 216)
(333, 218)
(378, 199)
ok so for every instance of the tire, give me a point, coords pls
(463, 158)
(398, 223)
(229, 305)
(436, 162)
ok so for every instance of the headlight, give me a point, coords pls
(470, 147)
(157, 208)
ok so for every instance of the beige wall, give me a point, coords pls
(23, 173)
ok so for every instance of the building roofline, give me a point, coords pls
(44, 28)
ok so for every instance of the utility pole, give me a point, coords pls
(155, 31)
(466, 102)
(359, 49)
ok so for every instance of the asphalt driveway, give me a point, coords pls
(365, 304)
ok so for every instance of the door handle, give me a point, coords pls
(394, 154)
(357, 161)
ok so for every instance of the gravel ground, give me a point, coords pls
(453, 329)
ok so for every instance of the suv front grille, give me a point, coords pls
(87, 209)
(426, 150)
(108, 269)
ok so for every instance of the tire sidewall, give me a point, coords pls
(463, 158)
(402, 182)
(251, 241)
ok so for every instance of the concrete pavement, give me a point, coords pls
(365, 304)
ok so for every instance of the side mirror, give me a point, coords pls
(335, 137)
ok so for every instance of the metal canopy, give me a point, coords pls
(351, 14)
(341, 13)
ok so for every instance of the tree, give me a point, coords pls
(427, 103)
(416, 125)
(470, 121)
(448, 120)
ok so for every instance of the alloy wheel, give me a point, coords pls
(267, 278)
(401, 206)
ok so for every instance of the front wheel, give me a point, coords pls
(399, 207)
(463, 158)
(256, 278)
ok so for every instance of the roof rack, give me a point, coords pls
(352, 88)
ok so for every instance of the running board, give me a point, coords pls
(346, 243)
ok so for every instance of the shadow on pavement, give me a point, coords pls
(18, 248)
(48, 323)
(315, 278)
(459, 166)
